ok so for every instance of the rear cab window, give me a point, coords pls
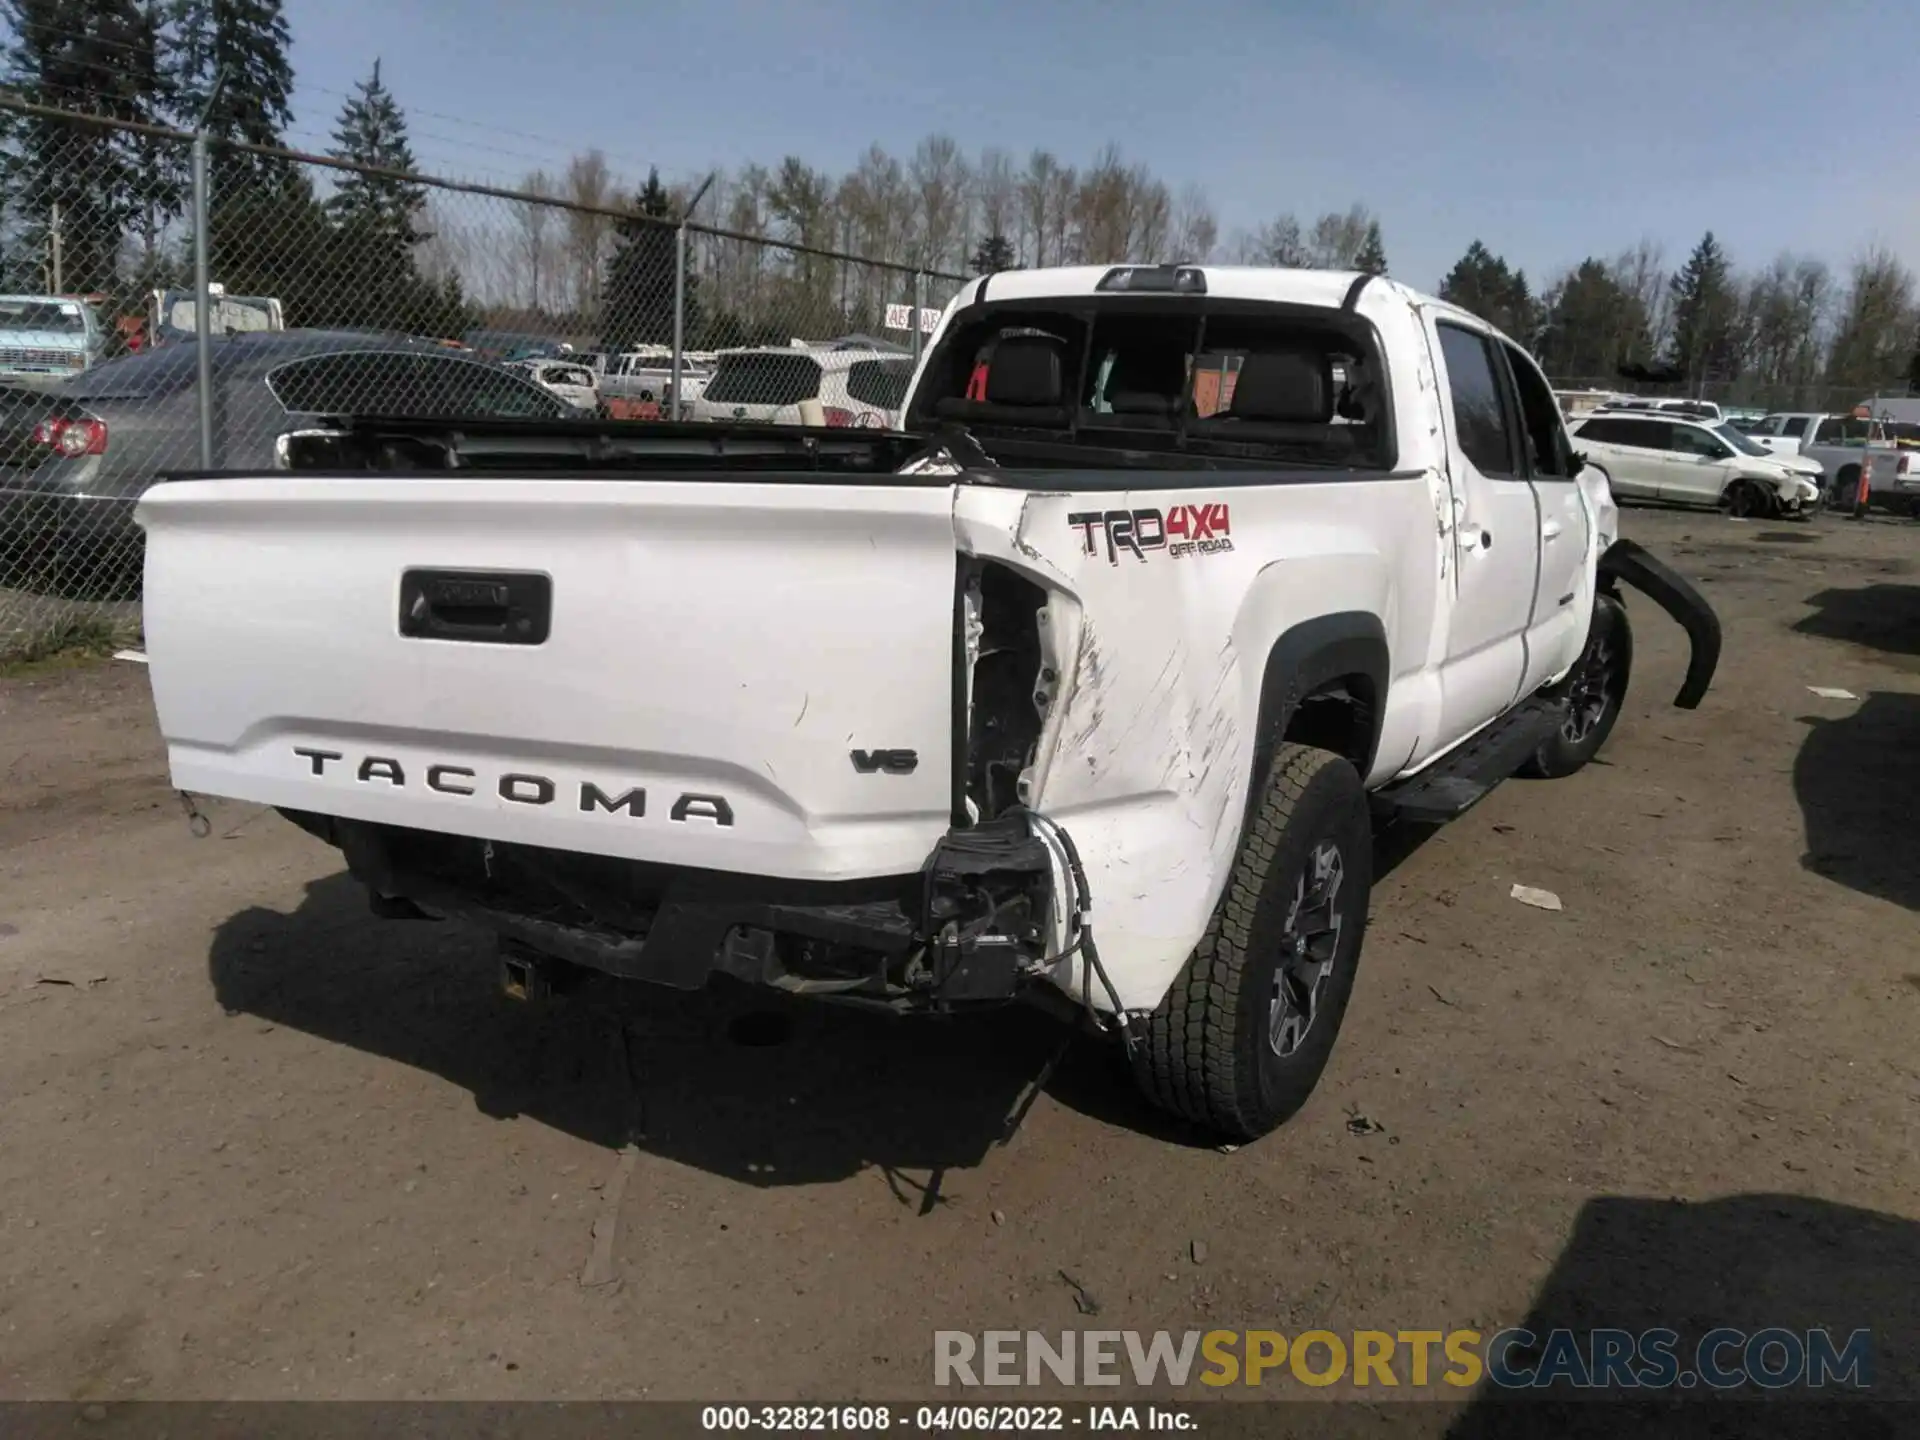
(1140, 378)
(764, 378)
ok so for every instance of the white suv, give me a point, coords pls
(1647, 456)
(783, 385)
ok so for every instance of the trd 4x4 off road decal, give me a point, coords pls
(1183, 530)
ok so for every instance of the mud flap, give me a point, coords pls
(1653, 578)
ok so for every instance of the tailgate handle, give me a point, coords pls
(481, 607)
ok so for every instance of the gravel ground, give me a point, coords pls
(258, 1144)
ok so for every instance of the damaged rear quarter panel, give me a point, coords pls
(1147, 755)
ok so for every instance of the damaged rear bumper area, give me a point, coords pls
(1660, 583)
(968, 928)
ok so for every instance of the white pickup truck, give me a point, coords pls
(900, 718)
(1841, 444)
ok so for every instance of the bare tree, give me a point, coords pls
(940, 181)
(1150, 215)
(1784, 311)
(1278, 242)
(1641, 271)
(1196, 231)
(1103, 210)
(739, 266)
(589, 234)
(1336, 240)
(1873, 341)
(534, 224)
(996, 194)
(875, 206)
(800, 204)
(1037, 219)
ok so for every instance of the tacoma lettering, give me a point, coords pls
(522, 788)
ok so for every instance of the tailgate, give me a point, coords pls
(715, 654)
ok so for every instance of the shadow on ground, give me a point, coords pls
(1750, 1263)
(1858, 780)
(738, 1082)
(1881, 617)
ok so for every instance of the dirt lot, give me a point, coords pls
(254, 1143)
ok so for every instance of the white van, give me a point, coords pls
(781, 385)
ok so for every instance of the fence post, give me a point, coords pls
(202, 299)
(202, 287)
(913, 320)
(679, 309)
(677, 411)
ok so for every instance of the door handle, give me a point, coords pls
(1550, 530)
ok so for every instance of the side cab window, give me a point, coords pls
(1482, 422)
(1549, 455)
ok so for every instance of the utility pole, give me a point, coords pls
(54, 237)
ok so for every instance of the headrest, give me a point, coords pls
(1025, 370)
(1147, 380)
(1285, 386)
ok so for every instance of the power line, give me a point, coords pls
(566, 149)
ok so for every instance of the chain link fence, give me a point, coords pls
(1812, 396)
(321, 287)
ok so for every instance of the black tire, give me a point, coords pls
(1746, 500)
(1593, 693)
(1240, 1040)
(1846, 489)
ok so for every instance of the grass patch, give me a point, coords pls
(66, 640)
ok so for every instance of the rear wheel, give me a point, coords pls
(1592, 694)
(1846, 490)
(1241, 1039)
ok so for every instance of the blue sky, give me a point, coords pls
(1550, 129)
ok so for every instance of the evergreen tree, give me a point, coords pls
(1593, 325)
(1706, 314)
(372, 131)
(244, 43)
(637, 303)
(97, 57)
(1481, 282)
(1372, 257)
(376, 280)
(993, 254)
